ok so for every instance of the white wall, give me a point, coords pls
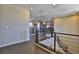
(14, 22)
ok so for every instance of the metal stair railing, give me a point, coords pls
(60, 42)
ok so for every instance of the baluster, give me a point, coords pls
(54, 42)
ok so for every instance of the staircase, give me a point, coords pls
(60, 43)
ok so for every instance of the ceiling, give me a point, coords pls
(49, 11)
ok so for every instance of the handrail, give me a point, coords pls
(56, 39)
(61, 44)
(67, 34)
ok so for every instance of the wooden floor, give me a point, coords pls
(22, 48)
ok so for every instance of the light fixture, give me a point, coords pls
(53, 5)
(30, 24)
(31, 8)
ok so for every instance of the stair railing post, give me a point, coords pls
(36, 36)
(54, 42)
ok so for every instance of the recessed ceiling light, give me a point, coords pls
(31, 8)
(53, 5)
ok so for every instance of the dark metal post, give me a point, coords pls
(36, 35)
(54, 42)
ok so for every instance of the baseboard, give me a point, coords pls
(13, 43)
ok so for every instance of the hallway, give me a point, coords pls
(56, 27)
(22, 48)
